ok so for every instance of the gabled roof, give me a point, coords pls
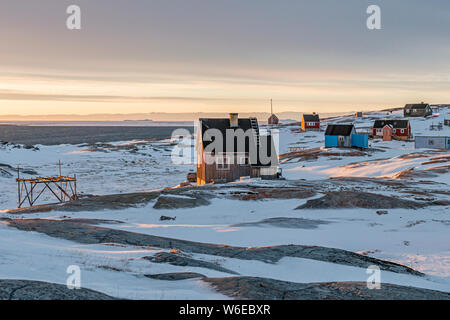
(311, 117)
(395, 123)
(339, 129)
(417, 106)
(265, 146)
(223, 124)
(273, 116)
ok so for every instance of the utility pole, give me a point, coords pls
(18, 185)
(271, 108)
(60, 184)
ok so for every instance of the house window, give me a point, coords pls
(222, 163)
(243, 161)
(431, 142)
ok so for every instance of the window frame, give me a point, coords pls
(223, 163)
(245, 162)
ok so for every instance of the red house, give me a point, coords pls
(401, 129)
(310, 122)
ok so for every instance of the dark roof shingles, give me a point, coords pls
(395, 123)
(311, 117)
(417, 106)
(339, 130)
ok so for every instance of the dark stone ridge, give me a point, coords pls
(89, 234)
(282, 222)
(38, 290)
(173, 276)
(255, 288)
(174, 202)
(353, 199)
(183, 261)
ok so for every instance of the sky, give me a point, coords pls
(221, 56)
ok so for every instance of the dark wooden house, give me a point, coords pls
(417, 110)
(228, 149)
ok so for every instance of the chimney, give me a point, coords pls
(233, 120)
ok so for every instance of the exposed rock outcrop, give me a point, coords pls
(353, 199)
(179, 202)
(276, 193)
(84, 233)
(183, 261)
(174, 276)
(255, 288)
(282, 222)
(38, 290)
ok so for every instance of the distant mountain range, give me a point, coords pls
(157, 116)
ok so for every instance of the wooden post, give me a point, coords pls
(18, 185)
(60, 184)
(75, 187)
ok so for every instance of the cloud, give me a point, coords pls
(29, 96)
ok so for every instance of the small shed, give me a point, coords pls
(273, 119)
(432, 142)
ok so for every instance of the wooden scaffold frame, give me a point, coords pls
(66, 188)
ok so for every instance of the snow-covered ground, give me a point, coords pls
(119, 167)
(417, 238)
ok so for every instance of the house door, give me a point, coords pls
(341, 141)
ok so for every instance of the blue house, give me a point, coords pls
(344, 135)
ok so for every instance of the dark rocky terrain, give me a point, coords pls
(270, 289)
(39, 290)
(89, 234)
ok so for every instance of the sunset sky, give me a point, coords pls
(205, 56)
